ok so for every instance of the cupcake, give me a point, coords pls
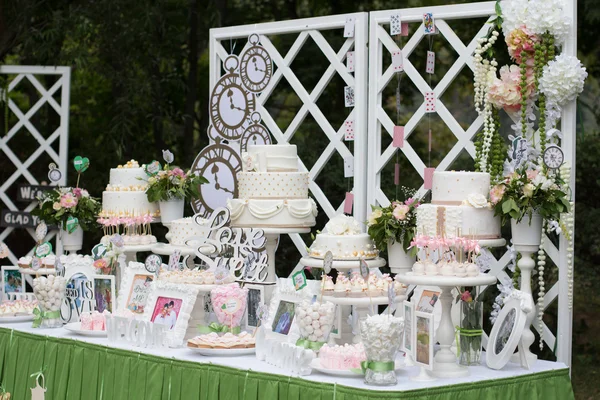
(24, 262)
(472, 270)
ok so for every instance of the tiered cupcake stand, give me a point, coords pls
(362, 305)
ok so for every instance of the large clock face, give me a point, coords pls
(256, 69)
(219, 164)
(230, 106)
(553, 157)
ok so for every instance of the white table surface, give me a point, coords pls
(478, 373)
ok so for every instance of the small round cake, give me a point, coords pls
(186, 228)
(348, 356)
(343, 238)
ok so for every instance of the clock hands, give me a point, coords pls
(215, 171)
(233, 106)
(256, 66)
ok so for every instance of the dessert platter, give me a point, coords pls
(17, 310)
(226, 345)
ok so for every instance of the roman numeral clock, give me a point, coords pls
(234, 123)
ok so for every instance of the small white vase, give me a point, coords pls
(72, 242)
(171, 210)
(399, 260)
(526, 232)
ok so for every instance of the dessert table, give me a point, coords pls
(78, 367)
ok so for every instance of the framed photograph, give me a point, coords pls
(427, 301)
(170, 304)
(257, 293)
(12, 281)
(135, 288)
(79, 275)
(104, 293)
(423, 339)
(281, 324)
(506, 334)
(407, 337)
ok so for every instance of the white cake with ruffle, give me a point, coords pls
(184, 229)
(459, 206)
(125, 194)
(342, 236)
(271, 190)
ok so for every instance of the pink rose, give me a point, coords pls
(400, 211)
(521, 40)
(506, 92)
(409, 201)
(68, 200)
(496, 193)
(466, 297)
(178, 172)
(77, 192)
(531, 174)
(102, 265)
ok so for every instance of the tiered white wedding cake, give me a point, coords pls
(459, 204)
(183, 229)
(272, 192)
(125, 194)
(342, 236)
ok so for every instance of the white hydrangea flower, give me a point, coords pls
(539, 16)
(562, 79)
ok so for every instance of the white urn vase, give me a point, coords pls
(171, 210)
(399, 260)
(73, 241)
(527, 236)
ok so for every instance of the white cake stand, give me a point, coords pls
(272, 236)
(41, 271)
(362, 306)
(444, 365)
(313, 262)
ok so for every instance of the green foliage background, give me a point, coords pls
(139, 84)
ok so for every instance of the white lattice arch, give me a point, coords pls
(382, 45)
(312, 28)
(45, 145)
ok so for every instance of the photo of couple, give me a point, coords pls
(166, 311)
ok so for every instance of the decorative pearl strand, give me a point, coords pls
(483, 69)
(541, 292)
(568, 221)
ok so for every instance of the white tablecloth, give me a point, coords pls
(478, 373)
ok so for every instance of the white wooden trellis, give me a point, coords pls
(45, 144)
(382, 45)
(305, 28)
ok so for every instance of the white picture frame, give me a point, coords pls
(506, 333)
(103, 302)
(7, 272)
(424, 328)
(408, 309)
(84, 302)
(286, 295)
(132, 276)
(171, 301)
(256, 296)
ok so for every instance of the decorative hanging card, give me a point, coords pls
(395, 25)
(398, 140)
(397, 61)
(430, 102)
(350, 61)
(348, 203)
(428, 24)
(349, 130)
(430, 65)
(349, 96)
(348, 167)
(349, 27)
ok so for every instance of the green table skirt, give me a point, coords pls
(76, 370)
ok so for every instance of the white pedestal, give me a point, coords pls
(342, 264)
(272, 235)
(445, 365)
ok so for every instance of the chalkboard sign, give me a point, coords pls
(18, 219)
(31, 192)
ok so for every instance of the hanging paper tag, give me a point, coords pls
(428, 24)
(327, 262)
(398, 137)
(348, 202)
(349, 130)
(349, 96)
(98, 251)
(174, 260)
(59, 267)
(430, 65)
(349, 27)
(364, 269)
(231, 305)
(348, 167)
(397, 61)
(36, 263)
(299, 279)
(395, 24)
(153, 263)
(72, 224)
(43, 249)
(429, 102)
(350, 61)
(396, 174)
(429, 178)
(404, 29)
(153, 168)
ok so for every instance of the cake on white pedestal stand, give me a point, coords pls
(272, 235)
(445, 365)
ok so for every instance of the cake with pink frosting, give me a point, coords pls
(93, 321)
(348, 356)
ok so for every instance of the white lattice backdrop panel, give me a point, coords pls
(24, 125)
(381, 46)
(312, 28)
